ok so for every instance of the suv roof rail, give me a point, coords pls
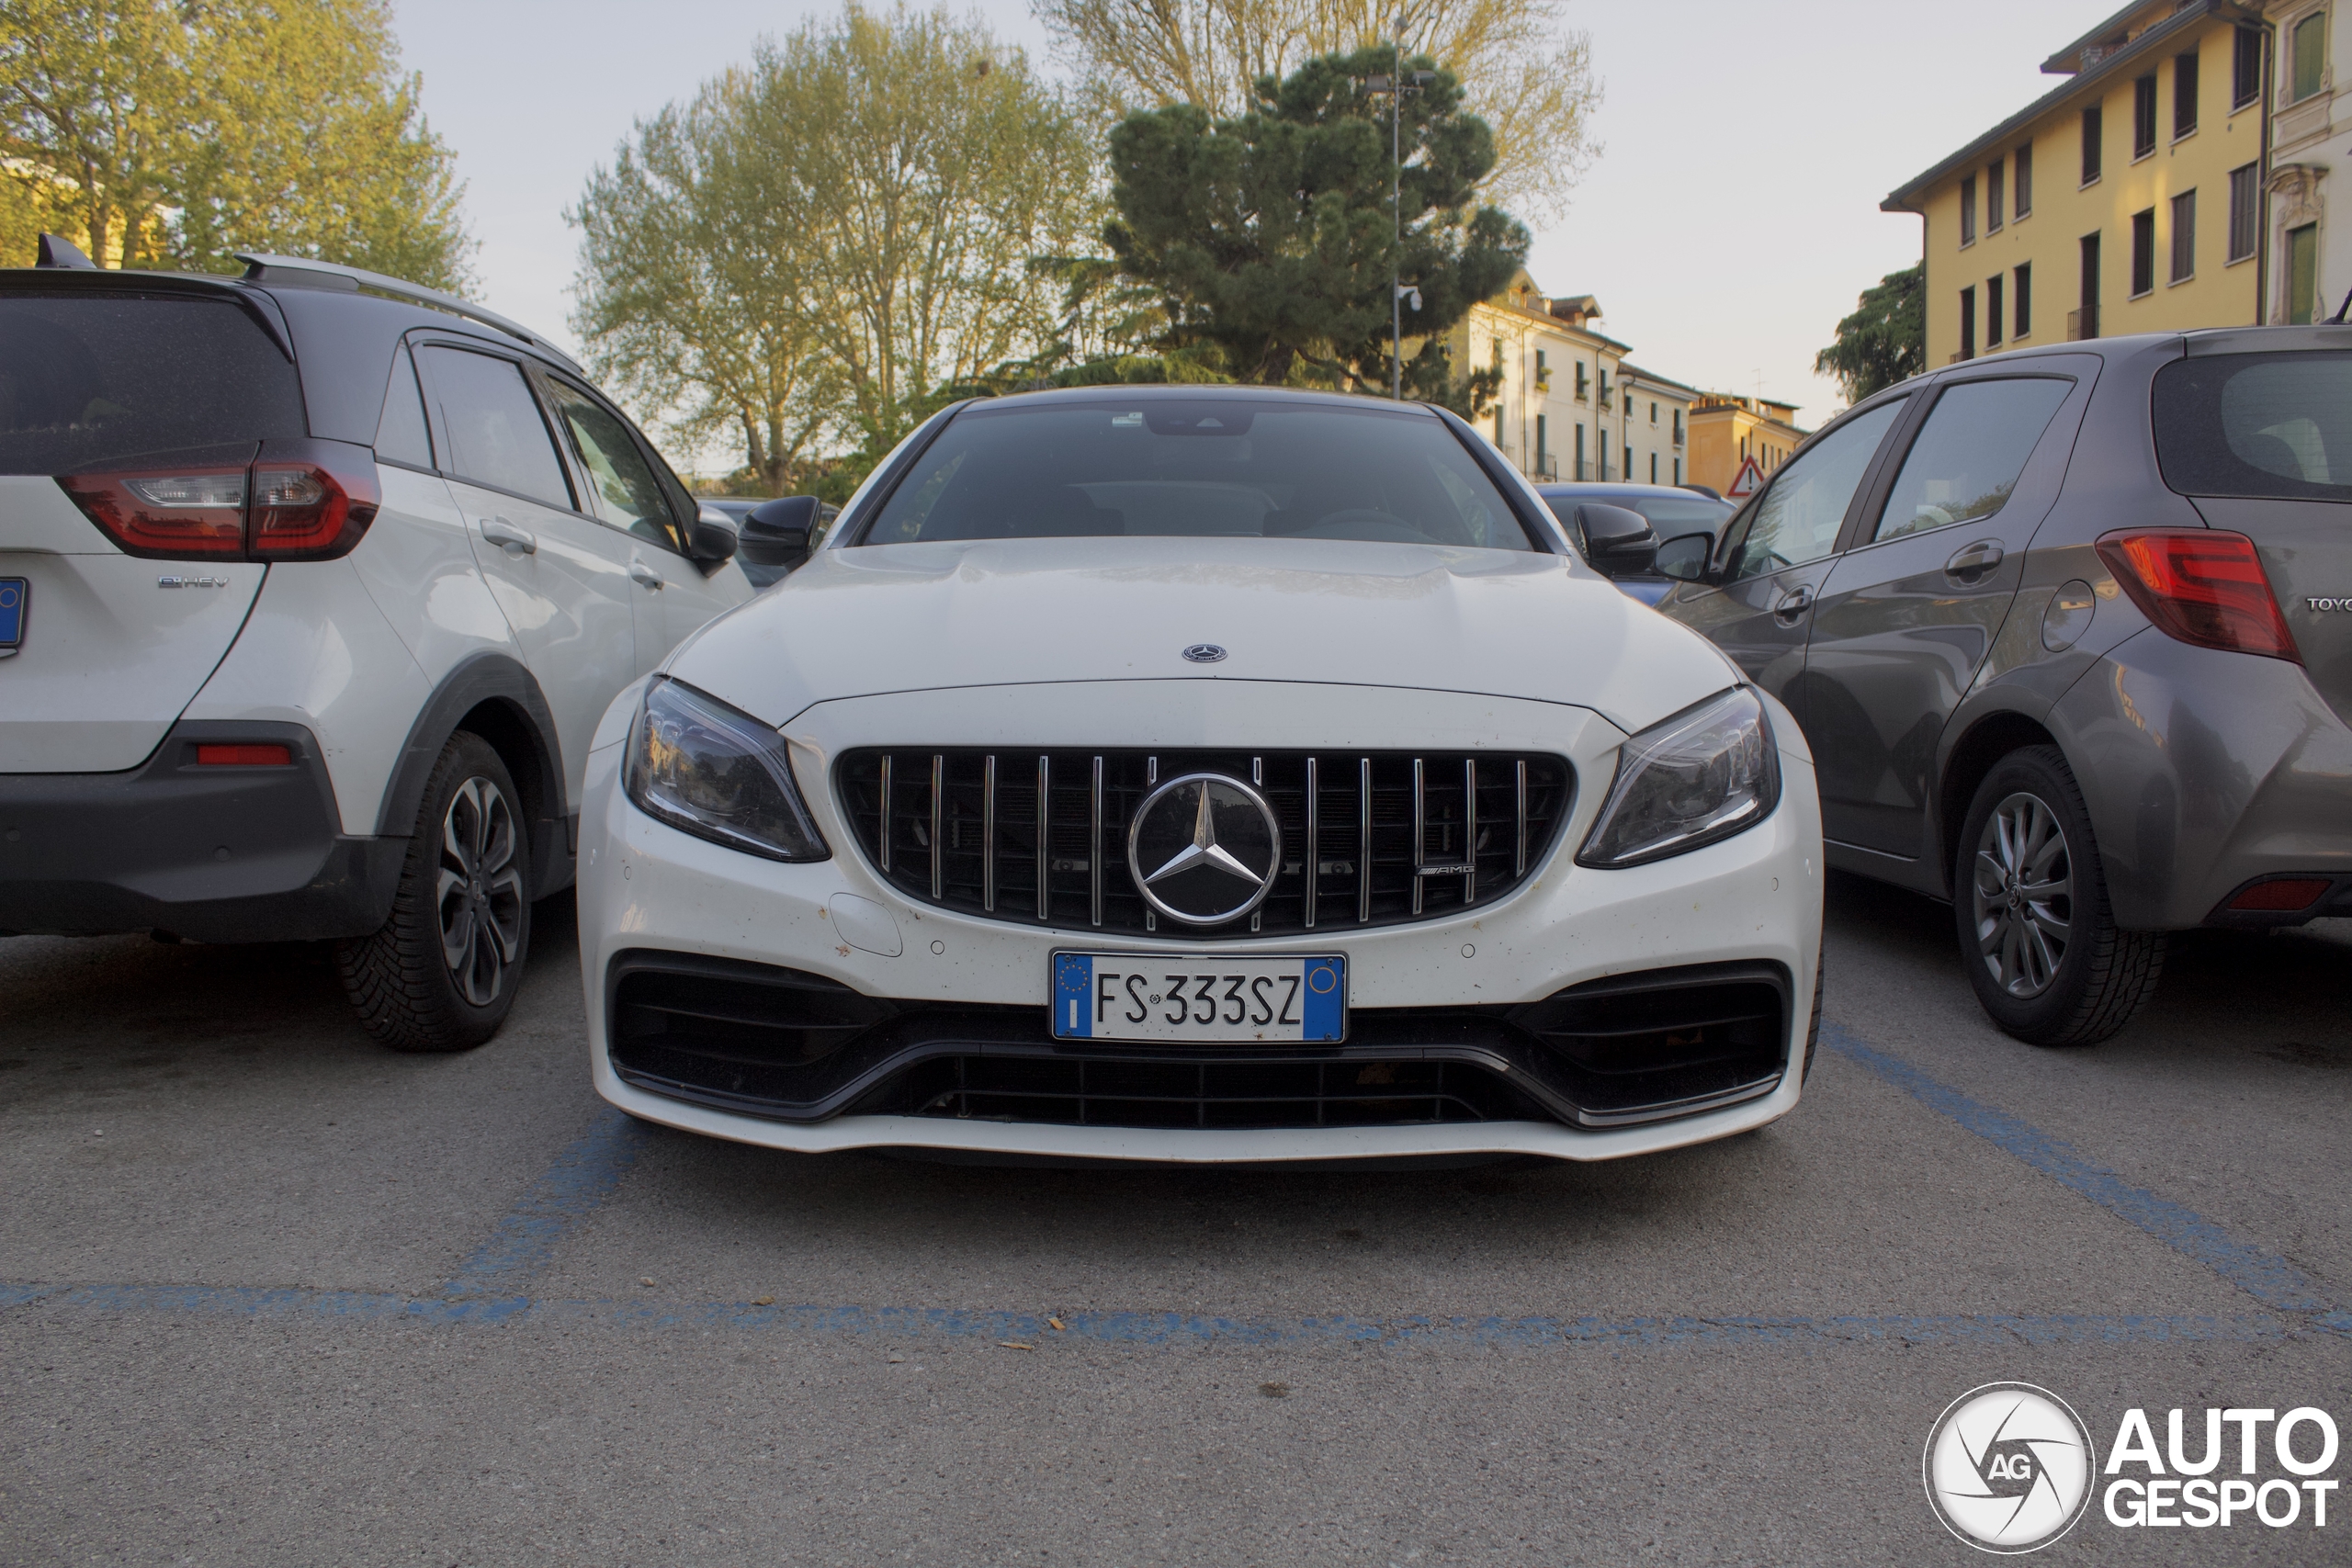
(260, 268)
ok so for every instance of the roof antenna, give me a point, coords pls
(2342, 312)
(57, 251)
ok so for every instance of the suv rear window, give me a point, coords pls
(86, 378)
(2276, 425)
(1199, 467)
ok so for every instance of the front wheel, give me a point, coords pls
(442, 972)
(2037, 937)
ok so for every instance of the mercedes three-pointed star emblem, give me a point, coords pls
(1198, 878)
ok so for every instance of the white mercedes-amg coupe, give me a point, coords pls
(1200, 774)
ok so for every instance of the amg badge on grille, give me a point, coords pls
(1204, 849)
(1205, 653)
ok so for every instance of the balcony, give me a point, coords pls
(2082, 323)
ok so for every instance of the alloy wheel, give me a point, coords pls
(2023, 892)
(480, 894)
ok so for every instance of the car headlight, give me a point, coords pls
(708, 770)
(1704, 775)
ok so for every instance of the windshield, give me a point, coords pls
(91, 377)
(1198, 467)
(2257, 425)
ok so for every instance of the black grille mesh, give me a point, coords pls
(963, 831)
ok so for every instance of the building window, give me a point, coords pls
(1629, 405)
(2245, 210)
(2143, 116)
(2143, 252)
(1499, 426)
(2086, 322)
(1653, 467)
(2091, 131)
(1543, 372)
(1584, 380)
(2303, 275)
(1967, 324)
(2246, 68)
(1968, 210)
(1996, 178)
(1580, 473)
(1678, 471)
(2184, 236)
(1653, 413)
(1678, 427)
(1992, 313)
(2184, 95)
(2023, 193)
(1604, 397)
(2023, 291)
(2309, 56)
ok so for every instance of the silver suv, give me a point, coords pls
(2070, 633)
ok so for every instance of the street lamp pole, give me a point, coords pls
(1397, 83)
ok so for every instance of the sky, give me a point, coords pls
(1730, 220)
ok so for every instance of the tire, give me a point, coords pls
(442, 973)
(2037, 937)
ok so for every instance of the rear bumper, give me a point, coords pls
(2204, 772)
(213, 853)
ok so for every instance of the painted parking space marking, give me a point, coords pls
(489, 1287)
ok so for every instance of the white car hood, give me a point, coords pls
(864, 621)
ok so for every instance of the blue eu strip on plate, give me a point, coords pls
(13, 593)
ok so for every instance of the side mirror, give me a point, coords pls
(778, 532)
(1684, 557)
(1618, 540)
(712, 538)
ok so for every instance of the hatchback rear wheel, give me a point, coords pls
(442, 972)
(2040, 943)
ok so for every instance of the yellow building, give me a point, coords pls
(2129, 199)
(1726, 430)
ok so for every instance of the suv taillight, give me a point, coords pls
(2201, 586)
(295, 501)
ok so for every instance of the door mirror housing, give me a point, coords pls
(776, 532)
(1684, 557)
(711, 539)
(1618, 540)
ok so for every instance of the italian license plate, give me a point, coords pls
(1143, 995)
(13, 591)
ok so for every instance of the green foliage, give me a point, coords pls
(1885, 340)
(1270, 237)
(171, 133)
(881, 206)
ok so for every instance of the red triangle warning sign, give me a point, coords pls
(1749, 480)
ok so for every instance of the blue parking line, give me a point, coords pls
(1033, 1330)
(581, 1179)
(2265, 1275)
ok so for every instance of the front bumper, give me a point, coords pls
(2204, 772)
(968, 996)
(213, 853)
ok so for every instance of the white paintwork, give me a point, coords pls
(859, 621)
(318, 652)
(418, 565)
(686, 601)
(1466, 657)
(109, 657)
(570, 604)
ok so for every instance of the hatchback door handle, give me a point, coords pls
(1792, 605)
(499, 531)
(645, 575)
(1972, 563)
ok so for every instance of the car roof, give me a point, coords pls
(1162, 391)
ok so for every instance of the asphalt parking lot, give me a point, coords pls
(268, 1294)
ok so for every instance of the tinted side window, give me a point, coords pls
(1798, 518)
(621, 487)
(95, 377)
(2257, 425)
(400, 435)
(496, 435)
(1968, 455)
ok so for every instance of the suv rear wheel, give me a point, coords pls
(2036, 935)
(442, 971)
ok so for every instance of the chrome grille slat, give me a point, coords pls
(1410, 849)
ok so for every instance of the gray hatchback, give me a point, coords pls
(2069, 631)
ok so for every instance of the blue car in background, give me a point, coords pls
(1672, 510)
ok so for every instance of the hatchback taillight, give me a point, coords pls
(295, 501)
(2201, 586)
